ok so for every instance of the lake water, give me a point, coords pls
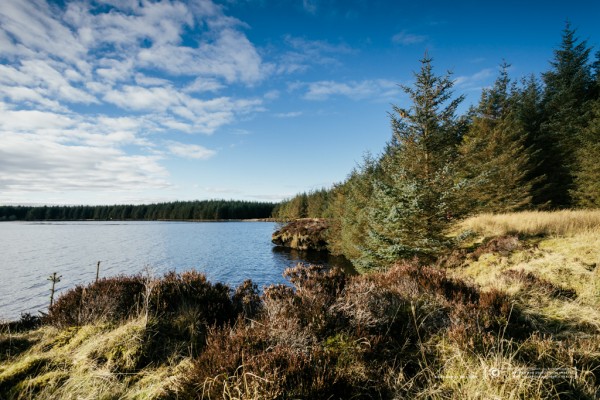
(227, 252)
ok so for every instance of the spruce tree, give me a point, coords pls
(586, 192)
(568, 88)
(493, 156)
(530, 113)
(347, 210)
(414, 199)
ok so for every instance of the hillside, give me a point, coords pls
(511, 312)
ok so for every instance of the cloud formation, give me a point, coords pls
(475, 81)
(88, 88)
(406, 39)
(355, 90)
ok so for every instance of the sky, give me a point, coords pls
(136, 101)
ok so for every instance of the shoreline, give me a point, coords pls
(148, 220)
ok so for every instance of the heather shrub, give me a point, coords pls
(246, 300)
(503, 245)
(174, 292)
(182, 306)
(316, 289)
(431, 281)
(108, 299)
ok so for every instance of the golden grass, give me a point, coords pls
(567, 256)
(498, 374)
(89, 362)
(533, 223)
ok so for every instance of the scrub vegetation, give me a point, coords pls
(506, 314)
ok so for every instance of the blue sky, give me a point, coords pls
(127, 101)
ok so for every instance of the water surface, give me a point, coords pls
(228, 252)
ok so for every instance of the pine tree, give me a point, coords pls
(586, 192)
(414, 198)
(493, 156)
(347, 210)
(569, 86)
(530, 113)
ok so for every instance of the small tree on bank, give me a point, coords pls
(414, 198)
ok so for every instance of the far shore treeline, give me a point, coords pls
(178, 210)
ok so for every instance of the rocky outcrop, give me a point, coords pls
(302, 234)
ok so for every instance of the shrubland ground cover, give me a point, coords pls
(508, 313)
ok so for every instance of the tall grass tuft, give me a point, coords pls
(534, 223)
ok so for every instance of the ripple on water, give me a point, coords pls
(229, 252)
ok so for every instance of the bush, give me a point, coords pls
(108, 299)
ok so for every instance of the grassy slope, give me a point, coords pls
(400, 333)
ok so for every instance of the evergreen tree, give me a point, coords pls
(530, 113)
(413, 200)
(568, 88)
(586, 192)
(347, 210)
(493, 156)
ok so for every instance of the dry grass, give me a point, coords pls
(91, 362)
(534, 223)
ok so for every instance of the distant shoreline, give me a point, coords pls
(147, 220)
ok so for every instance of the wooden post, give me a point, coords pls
(97, 271)
(53, 278)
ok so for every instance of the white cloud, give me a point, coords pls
(200, 85)
(83, 43)
(143, 99)
(405, 38)
(291, 114)
(475, 81)
(272, 95)
(90, 89)
(230, 57)
(310, 6)
(355, 90)
(189, 150)
(303, 53)
(31, 164)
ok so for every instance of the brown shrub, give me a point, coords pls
(246, 300)
(26, 322)
(317, 288)
(431, 281)
(108, 299)
(503, 245)
(188, 290)
(118, 298)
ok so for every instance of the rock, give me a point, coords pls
(302, 234)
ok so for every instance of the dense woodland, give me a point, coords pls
(180, 210)
(527, 144)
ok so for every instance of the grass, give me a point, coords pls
(513, 314)
(534, 223)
